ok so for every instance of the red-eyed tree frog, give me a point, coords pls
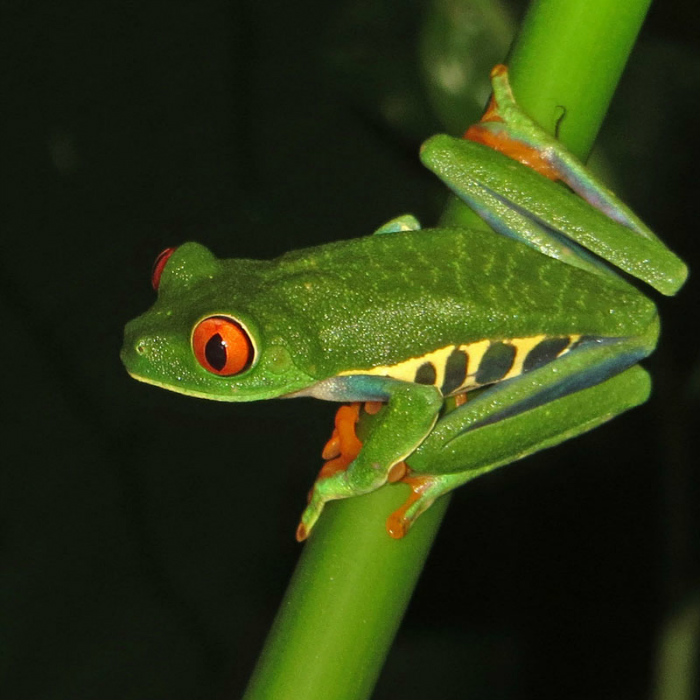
(534, 325)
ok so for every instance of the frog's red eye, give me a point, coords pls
(159, 266)
(222, 346)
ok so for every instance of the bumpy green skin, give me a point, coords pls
(370, 301)
(337, 320)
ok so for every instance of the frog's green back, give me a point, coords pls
(378, 300)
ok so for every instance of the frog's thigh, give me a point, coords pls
(589, 364)
(438, 467)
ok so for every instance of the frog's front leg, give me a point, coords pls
(517, 202)
(407, 419)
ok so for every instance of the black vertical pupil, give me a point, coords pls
(215, 352)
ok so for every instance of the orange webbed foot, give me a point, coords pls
(398, 523)
(344, 445)
(492, 131)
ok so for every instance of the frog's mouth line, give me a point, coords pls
(234, 397)
(174, 388)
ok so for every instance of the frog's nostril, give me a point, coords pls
(141, 347)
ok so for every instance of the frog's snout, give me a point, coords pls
(136, 348)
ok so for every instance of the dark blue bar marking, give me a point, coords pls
(544, 352)
(426, 374)
(495, 363)
(456, 370)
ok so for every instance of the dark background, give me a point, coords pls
(146, 538)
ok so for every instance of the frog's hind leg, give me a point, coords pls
(512, 419)
(444, 462)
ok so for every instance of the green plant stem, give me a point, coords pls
(567, 62)
(344, 603)
(353, 582)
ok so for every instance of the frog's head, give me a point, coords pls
(202, 336)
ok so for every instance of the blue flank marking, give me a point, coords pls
(358, 388)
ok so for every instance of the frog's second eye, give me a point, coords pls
(159, 266)
(222, 346)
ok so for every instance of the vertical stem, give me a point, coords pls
(567, 62)
(352, 584)
(344, 603)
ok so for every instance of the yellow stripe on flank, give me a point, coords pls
(522, 350)
(476, 353)
(406, 370)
